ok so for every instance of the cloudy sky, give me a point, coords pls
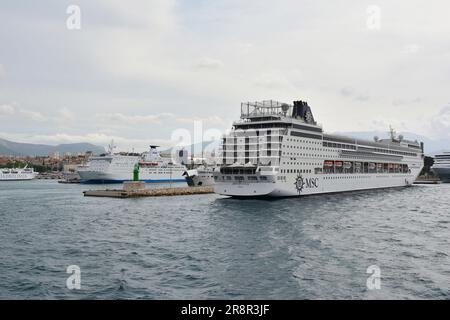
(138, 71)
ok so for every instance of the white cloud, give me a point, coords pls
(272, 81)
(162, 118)
(2, 71)
(61, 116)
(6, 110)
(346, 92)
(134, 119)
(209, 63)
(211, 120)
(155, 15)
(64, 115)
(32, 115)
(412, 48)
(440, 123)
(399, 102)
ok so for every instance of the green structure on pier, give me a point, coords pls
(136, 172)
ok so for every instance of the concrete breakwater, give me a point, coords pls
(427, 180)
(149, 192)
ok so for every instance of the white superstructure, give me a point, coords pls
(201, 176)
(278, 150)
(7, 174)
(112, 168)
(441, 166)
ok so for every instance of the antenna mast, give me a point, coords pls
(111, 147)
(392, 133)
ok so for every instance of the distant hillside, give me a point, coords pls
(28, 149)
(5, 151)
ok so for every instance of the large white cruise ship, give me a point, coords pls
(441, 166)
(118, 167)
(7, 174)
(278, 150)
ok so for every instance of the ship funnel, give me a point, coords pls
(302, 110)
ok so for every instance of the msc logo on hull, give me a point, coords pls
(302, 183)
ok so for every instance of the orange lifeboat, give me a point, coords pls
(328, 163)
(148, 164)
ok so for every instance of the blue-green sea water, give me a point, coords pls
(211, 247)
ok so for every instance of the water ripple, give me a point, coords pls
(206, 246)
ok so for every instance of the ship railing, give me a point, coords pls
(264, 108)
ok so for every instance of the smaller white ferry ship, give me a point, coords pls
(8, 174)
(118, 167)
(441, 166)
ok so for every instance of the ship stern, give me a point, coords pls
(245, 181)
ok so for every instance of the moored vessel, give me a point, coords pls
(17, 174)
(118, 168)
(279, 150)
(441, 166)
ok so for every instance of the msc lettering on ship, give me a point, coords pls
(301, 183)
(312, 182)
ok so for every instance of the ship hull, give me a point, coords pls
(195, 178)
(94, 177)
(17, 177)
(106, 181)
(443, 173)
(199, 181)
(316, 185)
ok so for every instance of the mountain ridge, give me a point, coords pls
(11, 148)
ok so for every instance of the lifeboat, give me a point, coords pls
(358, 164)
(347, 165)
(328, 163)
(379, 165)
(371, 165)
(338, 164)
(148, 164)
